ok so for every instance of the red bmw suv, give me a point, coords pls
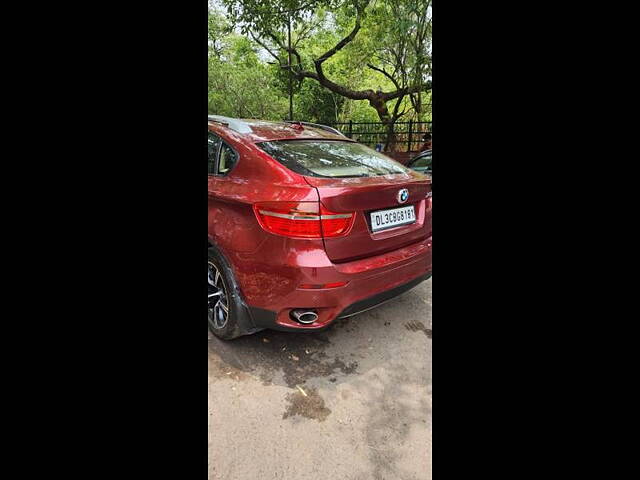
(307, 226)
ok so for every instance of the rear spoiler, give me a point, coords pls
(317, 125)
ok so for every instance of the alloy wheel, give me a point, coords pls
(218, 304)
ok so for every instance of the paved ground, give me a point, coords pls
(353, 402)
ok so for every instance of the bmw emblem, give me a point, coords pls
(403, 195)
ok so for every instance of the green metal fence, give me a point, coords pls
(408, 135)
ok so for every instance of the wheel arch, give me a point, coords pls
(245, 322)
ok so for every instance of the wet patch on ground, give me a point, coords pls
(418, 327)
(307, 403)
(372, 418)
(346, 324)
(299, 356)
(300, 371)
(221, 370)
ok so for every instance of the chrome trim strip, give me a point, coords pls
(372, 307)
(290, 217)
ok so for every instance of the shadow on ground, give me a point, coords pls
(332, 354)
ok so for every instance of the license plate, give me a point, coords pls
(383, 219)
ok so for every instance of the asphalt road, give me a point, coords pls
(353, 402)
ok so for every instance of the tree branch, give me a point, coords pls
(397, 107)
(275, 38)
(386, 74)
(376, 99)
(265, 47)
(407, 91)
(341, 44)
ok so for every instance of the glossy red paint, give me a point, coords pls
(275, 271)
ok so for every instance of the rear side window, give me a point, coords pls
(331, 158)
(222, 158)
(227, 160)
(424, 162)
(212, 150)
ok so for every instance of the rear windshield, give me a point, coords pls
(332, 158)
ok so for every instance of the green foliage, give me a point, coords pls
(315, 103)
(240, 83)
(248, 58)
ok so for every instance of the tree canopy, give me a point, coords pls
(367, 60)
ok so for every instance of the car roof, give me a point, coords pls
(423, 154)
(426, 153)
(266, 130)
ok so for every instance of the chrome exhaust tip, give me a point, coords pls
(305, 317)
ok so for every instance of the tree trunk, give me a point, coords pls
(378, 102)
(392, 144)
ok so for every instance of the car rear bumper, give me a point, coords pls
(371, 282)
(379, 299)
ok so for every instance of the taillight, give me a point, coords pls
(291, 219)
(302, 219)
(335, 224)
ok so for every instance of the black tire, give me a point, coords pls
(236, 310)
